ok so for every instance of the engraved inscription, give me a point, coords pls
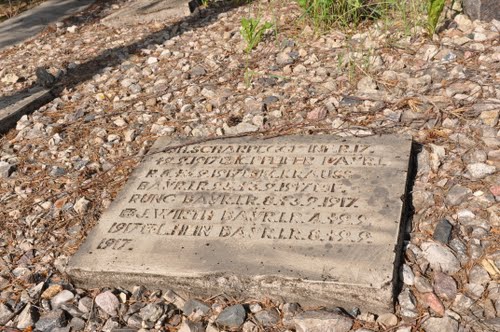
(252, 191)
(295, 187)
(230, 231)
(249, 173)
(114, 244)
(227, 177)
(249, 216)
(271, 149)
(271, 160)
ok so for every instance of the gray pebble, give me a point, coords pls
(445, 286)
(457, 194)
(407, 303)
(108, 302)
(77, 324)
(442, 232)
(151, 312)
(192, 305)
(62, 297)
(422, 285)
(479, 171)
(51, 320)
(440, 324)
(198, 71)
(6, 169)
(231, 317)
(407, 275)
(27, 317)
(268, 317)
(5, 314)
(283, 59)
(322, 320)
(440, 257)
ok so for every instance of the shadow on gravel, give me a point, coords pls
(115, 56)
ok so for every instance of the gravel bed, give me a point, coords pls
(119, 89)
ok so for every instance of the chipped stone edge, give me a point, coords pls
(314, 293)
(404, 222)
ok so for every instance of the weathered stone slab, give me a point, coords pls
(314, 219)
(146, 11)
(12, 108)
(484, 10)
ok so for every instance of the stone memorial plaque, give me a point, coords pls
(314, 219)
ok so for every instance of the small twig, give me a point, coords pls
(90, 314)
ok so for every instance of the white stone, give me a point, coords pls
(10, 78)
(408, 276)
(440, 257)
(120, 122)
(62, 297)
(129, 135)
(480, 170)
(463, 22)
(316, 321)
(387, 320)
(367, 84)
(108, 302)
(152, 60)
(440, 324)
(26, 318)
(81, 205)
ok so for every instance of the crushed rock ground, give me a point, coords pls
(120, 89)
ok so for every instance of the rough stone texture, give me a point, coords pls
(194, 305)
(232, 317)
(440, 257)
(189, 326)
(457, 194)
(437, 324)
(12, 108)
(407, 303)
(445, 286)
(329, 235)
(28, 317)
(322, 321)
(485, 10)
(145, 11)
(51, 320)
(268, 317)
(442, 232)
(480, 170)
(387, 320)
(61, 298)
(5, 314)
(108, 302)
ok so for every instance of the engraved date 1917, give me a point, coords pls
(115, 244)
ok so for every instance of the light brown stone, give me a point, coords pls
(314, 219)
(147, 11)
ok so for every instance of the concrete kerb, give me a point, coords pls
(33, 21)
(12, 108)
